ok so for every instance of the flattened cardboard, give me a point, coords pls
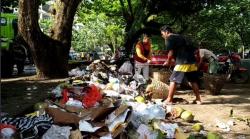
(121, 127)
(119, 130)
(101, 113)
(75, 134)
(61, 117)
(120, 110)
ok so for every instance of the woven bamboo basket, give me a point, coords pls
(214, 83)
(158, 89)
(162, 76)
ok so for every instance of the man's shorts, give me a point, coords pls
(179, 76)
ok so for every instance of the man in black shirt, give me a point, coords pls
(185, 55)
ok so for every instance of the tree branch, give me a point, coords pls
(130, 8)
(123, 9)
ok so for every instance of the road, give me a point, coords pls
(28, 70)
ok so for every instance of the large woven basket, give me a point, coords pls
(158, 89)
(214, 83)
(162, 76)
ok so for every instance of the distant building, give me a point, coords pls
(44, 10)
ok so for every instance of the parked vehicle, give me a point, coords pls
(230, 64)
(13, 48)
(159, 57)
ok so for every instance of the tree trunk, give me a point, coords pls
(133, 27)
(50, 54)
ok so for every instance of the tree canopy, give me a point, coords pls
(217, 24)
(98, 24)
(225, 25)
(125, 20)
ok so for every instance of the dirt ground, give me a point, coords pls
(233, 96)
(19, 96)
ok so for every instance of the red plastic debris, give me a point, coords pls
(93, 95)
(2, 126)
(65, 96)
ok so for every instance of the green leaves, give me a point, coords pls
(99, 29)
(223, 26)
(45, 25)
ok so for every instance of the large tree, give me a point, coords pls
(141, 16)
(50, 53)
(223, 26)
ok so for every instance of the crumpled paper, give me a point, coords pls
(145, 132)
(87, 127)
(168, 128)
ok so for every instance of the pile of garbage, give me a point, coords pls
(104, 102)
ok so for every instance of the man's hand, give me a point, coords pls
(166, 63)
(148, 61)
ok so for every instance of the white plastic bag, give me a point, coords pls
(7, 133)
(75, 103)
(57, 132)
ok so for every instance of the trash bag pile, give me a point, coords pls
(101, 102)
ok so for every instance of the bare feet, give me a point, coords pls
(166, 103)
(197, 102)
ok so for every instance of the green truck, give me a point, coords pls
(13, 49)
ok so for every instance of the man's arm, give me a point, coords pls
(170, 49)
(169, 59)
(200, 56)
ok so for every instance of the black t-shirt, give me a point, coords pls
(184, 51)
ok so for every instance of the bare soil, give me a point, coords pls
(234, 97)
(19, 96)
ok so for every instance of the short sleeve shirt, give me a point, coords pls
(184, 54)
(206, 54)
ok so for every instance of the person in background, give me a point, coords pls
(186, 64)
(211, 58)
(142, 57)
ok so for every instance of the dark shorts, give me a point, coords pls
(178, 76)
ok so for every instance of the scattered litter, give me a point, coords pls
(57, 132)
(7, 133)
(168, 128)
(103, 102)
(75, 103)
(222, 125)
(231, 123)
(87, 127)
(145, 132)
(108, 136)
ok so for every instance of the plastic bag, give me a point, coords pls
(139, 78)
(93, 95)
(57, 132)
(126, 68)
(7, 133)
(72, 102)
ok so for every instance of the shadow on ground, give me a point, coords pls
(232, 94)
(19, 97)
